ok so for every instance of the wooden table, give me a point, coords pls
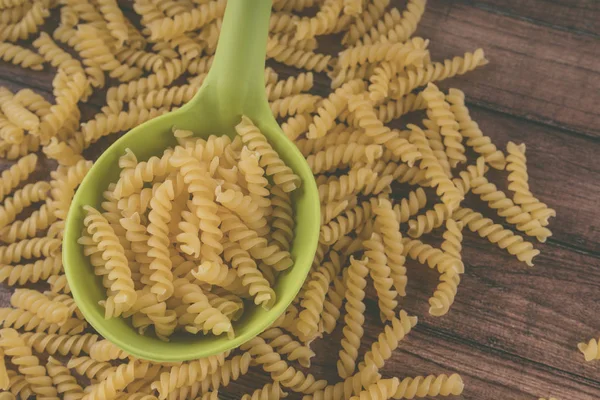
(513, 331)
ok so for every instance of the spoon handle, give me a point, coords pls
(236, 79)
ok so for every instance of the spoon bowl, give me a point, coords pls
(233, 87)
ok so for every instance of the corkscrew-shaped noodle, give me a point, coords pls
(420, 76)
(506, 208)
(439, 112)
(496, 233)
(354, 318)
(432, 385)
(445, 188)
(518, 184)
(281, 174)
(42, 306)
(280, 371)
(60, 344)
(381, 274)
(470, 130)
(169, 28)
(388, 225)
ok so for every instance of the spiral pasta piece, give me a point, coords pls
(590, 350)
(401, 54)
(282, 218)
(42, 306)
(507, 209)
(280, 371)
(440, 113)
(313, 300)
(291, 86)
(16, 113)
(115, 21)
(298, 57)
(281, 174)
(202, 188)
(20, 56)
(381, 273)
(60, 344)
(284, 344)
(21, 199)
(250, 275)
(39, 220)
(28, 364)
(133, 180)
(432, 385)
(106, 124)
(388, 226)
(382, 75)
(96, 53)
(420, 76)
(28, 249)
(354, 318)
(445, 188)
(496, 233)
(518, 184)
(342, 155)
(388, 341)
(207, 318)
(66, 385)
(113, 252)
(170, 71)
(381, 134)
(169, 28)
(244, 207)
(470, 130)
(444, 294)
(28, 321)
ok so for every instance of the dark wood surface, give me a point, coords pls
(513, 331)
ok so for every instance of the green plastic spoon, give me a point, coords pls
(233, 87)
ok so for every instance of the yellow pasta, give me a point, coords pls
(590, 350)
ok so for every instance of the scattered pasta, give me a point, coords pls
(185, 240)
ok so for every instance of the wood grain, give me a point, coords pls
(512, 332)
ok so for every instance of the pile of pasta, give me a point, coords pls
(152, 59)
(211, 217)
